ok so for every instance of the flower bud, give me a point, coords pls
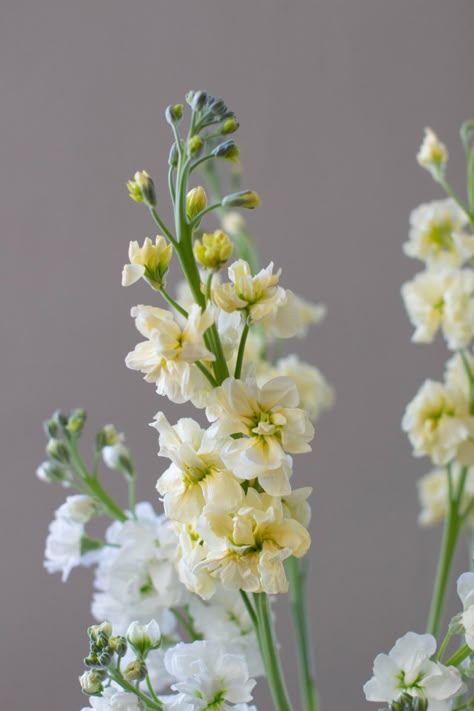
(104, 629)
(91, 682)
(214, 250)
(196, 200)
(433, 154)
(174, 114)
(195, 145)
(107, 437)
(105, 657)
(150, 261)
(230, 125)
(218, 107)
(244, 198)
(142, 188)
(173, 156)
(51, 473)
(91, 660)
(58, 450)
(118, 645)
(135, 671)
(51, 427)
(197, 99)
(144, 637)
(228, 150)
(76, 421)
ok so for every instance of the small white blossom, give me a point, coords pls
(294, 317)
(78, 508)
(63, 550)
(144, 637)
(114, 700)
(465, 587)
(408, 668)
(433, 154)
(437, 423)
(207, 676)
(272, 426)
(441, 298)
(433, 227)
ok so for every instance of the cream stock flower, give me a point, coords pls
(433, 494)
(166, 357)
(294, 317)
(433, 154)
(441, 299)
(243, 550)
(437, 423)
(259, 296)
(271, 425)
(150, 261)
(431, 233)
(197, 476)
(408, 669)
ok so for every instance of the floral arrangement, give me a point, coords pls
(183, 598)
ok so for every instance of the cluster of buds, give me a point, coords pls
(213, 250)
(60, 428)
(408, 703)
(103, 648)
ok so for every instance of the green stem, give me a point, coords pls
(241, 351)
(151, 690)
(121, 681)
(459, 656)
(197, 218)
(444, 645)
(297, 579)
(174, 304)
(186, 623)
(270, 655)
(162, 226)
(448, 189)
(206, 373)
(249, 608)
(452, 527)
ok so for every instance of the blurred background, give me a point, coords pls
(332, 97)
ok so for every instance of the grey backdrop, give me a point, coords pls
(332, 97)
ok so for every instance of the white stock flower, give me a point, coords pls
(408, 668)
(63, 550)
(113, 699)
(465, 588)
(78, 508)
(272, 426)
(167, 356)
(433, 494)
(224, 618)
(259, 296)
(144, 637)
(441, 298)
(243, 550)
(316, 395)
(207, 676)
(197, 476)
(136, 577)
(432, 228)
(437, 423)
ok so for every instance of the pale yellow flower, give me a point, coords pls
(149, 261)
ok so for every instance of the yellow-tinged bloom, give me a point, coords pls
(214, 250)
(196, 200)
(142, 188)
(433, 154)
(150, 262)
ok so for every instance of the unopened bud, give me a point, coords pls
(51, 473)
(118, 645)
(195, 145)
(218, 107)
(58, 450)
(76, 421)
(144, 637)
(91, 681)
(228, 150)
(174, 114)
(433, 154)
(214, 250)
(173, 156)
(197, 99)
(107, 437)
(104, 629)
(245, 198)
(51, 427)
(230, 125)
(135, 671)
(142, 188)
(196, 200)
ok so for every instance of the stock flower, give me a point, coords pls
(243, 550)
(316, 395)
(433, 494)
(78, 508)
(408, 669)
(136, 577)
(294, 316)
(150, 262)
(437, 423)
(259, 296)
(225, 619)
(271, 425)
(63, 550)
(432, 229)
(197, 476)
(113, 699)
(207, 677)
(166, 357)
(465, 588)
(441, 298)
(433, 154)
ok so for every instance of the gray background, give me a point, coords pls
(332, 97)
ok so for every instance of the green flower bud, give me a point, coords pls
(142, 188)
(218, 107)
(196, 200)
(230, 125)
(197, 99)
(52, 474)
(104, 630)
(105, 657)
(91, 660)
(107, 437)
(173, 156)
(58, 450)
(228, 150)
(76, 421)
(195, 145)
(91, 682)
(51, 427)
(245, 198)
(174, 114)
(118, 645)
(135, 671)
(144, 637)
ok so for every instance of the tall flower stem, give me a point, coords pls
(449, 541)
(271, 657)
(297, 579)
